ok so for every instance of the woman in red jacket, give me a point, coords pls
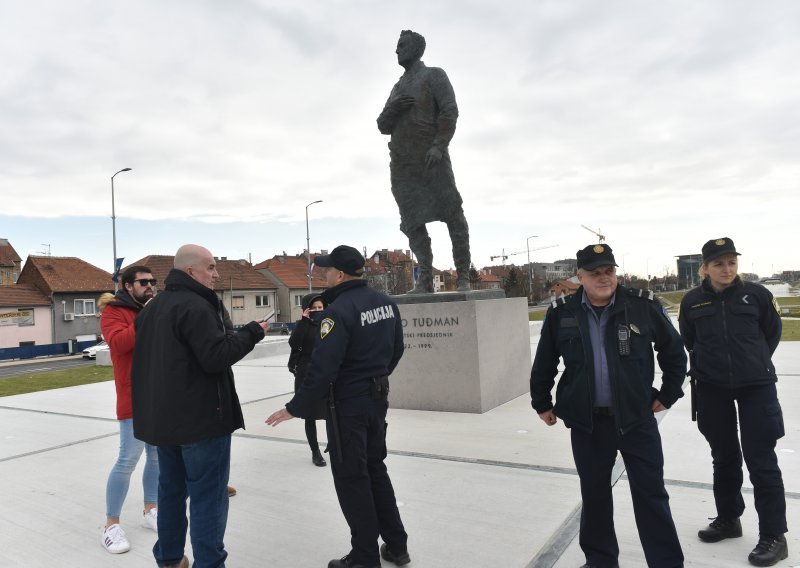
(116, 323)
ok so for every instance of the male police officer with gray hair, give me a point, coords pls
(605, 334)
(360, 344)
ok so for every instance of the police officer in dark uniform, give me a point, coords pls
(361, 342)
(731, 329)
(605, 334)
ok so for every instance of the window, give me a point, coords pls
(84, 308)
(298, 300)
(27, 343)
(262, 301)
(238, 303)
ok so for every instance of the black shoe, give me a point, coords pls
(595, 566)
(345, 562)
(769, 551)
(318, 460)
(720, 529)
(398, 559)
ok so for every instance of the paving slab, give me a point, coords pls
(497, 489)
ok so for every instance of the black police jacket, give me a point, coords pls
(181, 380)
(731, 335)
(360, 338)
(565, 335)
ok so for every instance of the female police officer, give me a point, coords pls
(731, 328)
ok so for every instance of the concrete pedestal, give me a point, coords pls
(462, 356)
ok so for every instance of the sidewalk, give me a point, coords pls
(496, 489)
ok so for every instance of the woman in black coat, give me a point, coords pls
(302, 342)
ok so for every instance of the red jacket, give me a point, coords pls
(116, 323)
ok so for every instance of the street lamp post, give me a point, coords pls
(530, 270)
(308, 245)
(114, 227)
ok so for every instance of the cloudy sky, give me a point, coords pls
(664, 124)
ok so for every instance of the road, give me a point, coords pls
(43, 365)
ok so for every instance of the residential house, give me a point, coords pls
(290, 274)
(391, 272)
(25, 316)
(564, 287)
(73, 286)
(488, 281)
(10, 263)
(246, 293)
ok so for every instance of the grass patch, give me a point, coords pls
(788, 302)
(791, 330)
(35, 382)
(537, 315)
(671, 298)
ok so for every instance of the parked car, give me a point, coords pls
(91, 352)
(279, 327)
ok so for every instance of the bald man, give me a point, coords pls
(185, 403)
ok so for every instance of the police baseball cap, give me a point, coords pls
(344, 258)
(593, 256)
(717, 247)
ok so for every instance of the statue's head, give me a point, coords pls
(410, 47)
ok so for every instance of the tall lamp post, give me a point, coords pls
(114, 227)
(530, 270)
(308, 244)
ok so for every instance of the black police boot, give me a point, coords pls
(345, 562)
(720, 529)
(398, 559)
(769, 551)
(318, 460)
(593, 566)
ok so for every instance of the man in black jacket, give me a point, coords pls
(361, 342)
(185, 402)
(605, 334)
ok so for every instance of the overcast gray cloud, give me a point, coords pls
(665, 124)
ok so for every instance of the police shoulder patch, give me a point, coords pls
(776, 305)
(325, 327)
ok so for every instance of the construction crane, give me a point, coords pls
(505, 255)
(599, 233)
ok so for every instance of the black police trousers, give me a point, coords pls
(761, 425)
(595, 454)
(362, 482)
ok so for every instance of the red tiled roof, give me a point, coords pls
(291, 271)
(485, 277)
(22, 295)
(240, 275)
(8, 256)
(64, 274)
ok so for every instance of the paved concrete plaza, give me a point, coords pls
(497, 489)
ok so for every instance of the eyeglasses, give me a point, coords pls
(144, 282)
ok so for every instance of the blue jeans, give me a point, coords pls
(130, 450)
(200, 472)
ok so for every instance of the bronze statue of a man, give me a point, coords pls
(420, 116)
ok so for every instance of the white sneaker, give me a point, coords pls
(115, 541)
(150, 520)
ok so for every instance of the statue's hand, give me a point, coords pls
(433, 157)
(401, 103)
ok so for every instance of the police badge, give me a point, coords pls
(325, 327)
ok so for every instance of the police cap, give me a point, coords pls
(717, 247)
(593, 256)
(344, 258)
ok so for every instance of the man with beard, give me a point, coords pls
(116, 324)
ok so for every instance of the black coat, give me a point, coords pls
(732, 334)
(565, 335)
(302, 341)
(181, 381)
(361, 338)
